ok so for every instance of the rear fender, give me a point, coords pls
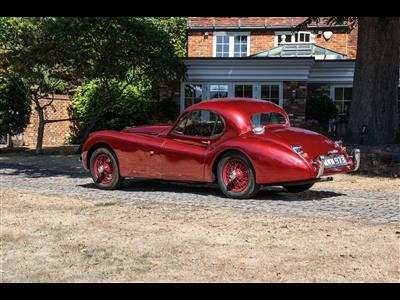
(272, 162)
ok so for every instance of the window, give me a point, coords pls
(218, 91)
(270, 118)
(342, 99)
(244, 90)
(293, 37)
(193, 94)
(231, 45)
(200, 123)
(240, 48)
(270, 92)
(222, 46)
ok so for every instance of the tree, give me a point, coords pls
(15, 106)
(374, 116)
(53, 54)
(110, 50)
(28, 51)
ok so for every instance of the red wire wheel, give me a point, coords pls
(103, 168)
(236, 175)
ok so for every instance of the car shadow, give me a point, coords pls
(40, 172)
(266, 193)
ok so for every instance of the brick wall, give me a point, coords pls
(55, 134)
(319, 89)
(295, 106)
(200, 45)
(260, 41)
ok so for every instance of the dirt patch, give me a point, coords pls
(65, 239)
(362, 183)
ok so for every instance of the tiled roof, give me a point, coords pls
(243, 22)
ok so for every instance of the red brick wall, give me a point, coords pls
(200, 45)
(55, 134)
(260, 41)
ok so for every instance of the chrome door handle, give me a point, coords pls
(206, 142)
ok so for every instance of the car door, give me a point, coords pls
(188, 143)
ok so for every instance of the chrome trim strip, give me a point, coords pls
(356, 156)
(321, 168)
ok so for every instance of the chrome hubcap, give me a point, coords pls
(232, 175)
(100, 169)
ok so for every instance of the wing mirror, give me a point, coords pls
(258, 130)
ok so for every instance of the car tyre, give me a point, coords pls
(236, 176)
(104, 169)
(298, 188)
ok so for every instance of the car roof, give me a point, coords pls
(238, 111)
(248, 106)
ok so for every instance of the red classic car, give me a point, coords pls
(240, 143)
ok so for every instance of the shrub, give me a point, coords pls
(320, 108)
(133, 107)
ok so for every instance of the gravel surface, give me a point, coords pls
(321, 201)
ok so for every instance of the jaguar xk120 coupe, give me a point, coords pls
(239, 143)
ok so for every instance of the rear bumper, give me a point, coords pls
(352, 165)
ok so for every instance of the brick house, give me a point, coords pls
(266, 58)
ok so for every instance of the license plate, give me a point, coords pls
(333, 162)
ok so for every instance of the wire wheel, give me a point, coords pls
(236, 175)
(103, 168)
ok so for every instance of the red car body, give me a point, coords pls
(158, 152)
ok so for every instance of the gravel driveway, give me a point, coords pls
(63, 175)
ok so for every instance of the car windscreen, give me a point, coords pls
(267, 118)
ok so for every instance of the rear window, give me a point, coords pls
(268, 118)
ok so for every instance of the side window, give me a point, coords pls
(219, 126)
(180, 127)
(200, 123)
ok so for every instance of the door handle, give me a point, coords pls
(206, 142)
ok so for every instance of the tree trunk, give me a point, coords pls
(9, 141)
(87, 131)
(39, 142)
(376, 78)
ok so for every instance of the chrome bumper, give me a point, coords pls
(321, 167)
(356, 157)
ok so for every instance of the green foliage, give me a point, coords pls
(132, 107)
(175, 27)
(321, 108)
(15, 108)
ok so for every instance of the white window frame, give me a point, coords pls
(231, 89)
(280, 83)
(231, 42)
(182, 98)
(209, 84)
(292, 38)
(334, 86)
(253, 84)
